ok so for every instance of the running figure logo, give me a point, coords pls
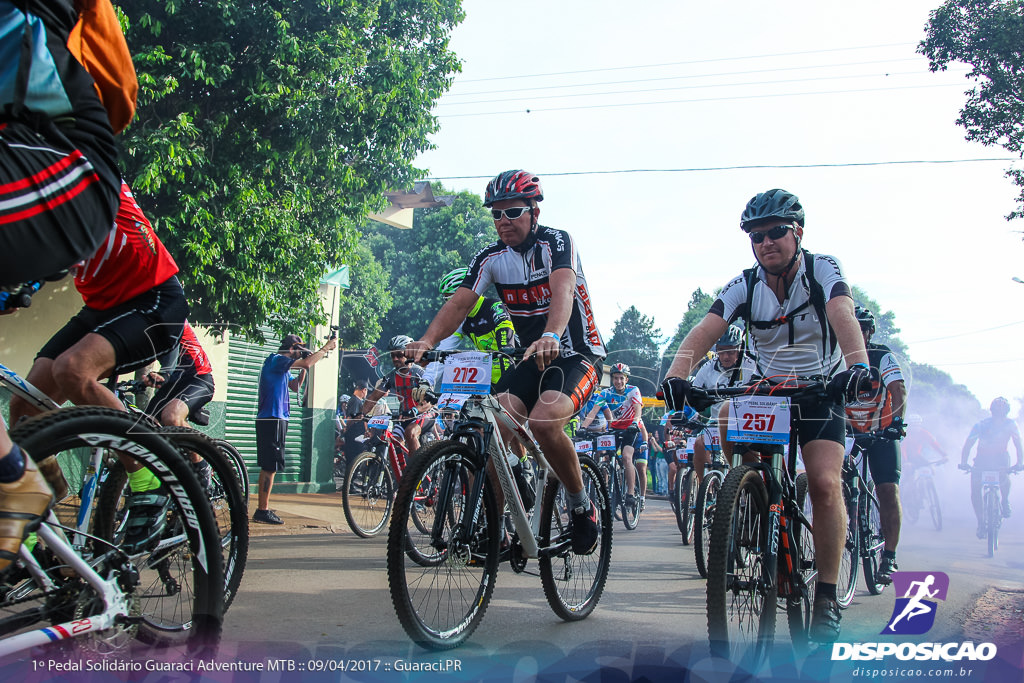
(914, 613)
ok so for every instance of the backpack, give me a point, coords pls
(816, 299)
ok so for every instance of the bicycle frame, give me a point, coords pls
(485, 414)
(115, 602)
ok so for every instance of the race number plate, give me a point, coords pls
(467, 373)
(584, 446)
(691, 442)
(716, 441)
(452, 402)
(759, 419)
(990, 477)
(379, 422)
(606, 442)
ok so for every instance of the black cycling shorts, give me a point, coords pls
(140, 330)
(820, 419)
(55, 206)
(270, 436)
(572, 375)
(193, 390)
(884, 460)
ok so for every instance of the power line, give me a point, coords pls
(687, 76)
(744, 168)
(694, 61)
(967, 334)
(692, 101)
(680, 87)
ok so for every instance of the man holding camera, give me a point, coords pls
(273, 413)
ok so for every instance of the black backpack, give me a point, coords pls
(816, 299)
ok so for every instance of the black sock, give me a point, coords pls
(12, 466)
(889, 554)
(825, 590)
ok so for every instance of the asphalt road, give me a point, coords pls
(317, 599)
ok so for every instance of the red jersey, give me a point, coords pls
(132, 260)
(191, 354)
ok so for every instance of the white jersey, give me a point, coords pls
(712, 376)
(794, 347)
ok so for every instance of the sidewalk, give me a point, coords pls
(302, 513)
(310, 513)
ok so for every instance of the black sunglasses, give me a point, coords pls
(511, 214)
(775, 234)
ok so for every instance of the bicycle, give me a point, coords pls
(440, 596)
(87, 587)
(921, 494)
(707, 502)
(686, 488)
(614, 473)
(991, 503)
(761, 551)
(368, 493)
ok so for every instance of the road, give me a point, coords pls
(324, 597)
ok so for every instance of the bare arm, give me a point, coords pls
(314, 358)
(444, 323)
(840, 315)
(697, 343)
(898, 391)
(563, 285)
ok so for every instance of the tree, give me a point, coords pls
(441, 240)
(885, 324)
(267, 131)
(635, 341)
(696, 309)
(366, 303)
(987, 36)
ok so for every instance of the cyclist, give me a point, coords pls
(622, 404)
(58, 181)
(488, 327)
(184, 385)
(799, 315)
(993, 435)
(882, 408)
(134, 313)
(538, 274)
(731, 367)
(402, 380)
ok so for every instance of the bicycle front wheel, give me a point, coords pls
(993, 518)
(573, 583)
(368, 494)
(931, 501)
(707, 500)
(687, 493)
(871, 540)
(179, 595)
(741, 603)
(440, 602)
(236, 460)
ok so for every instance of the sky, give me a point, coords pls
(572, 90)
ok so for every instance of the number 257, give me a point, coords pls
(758, 422)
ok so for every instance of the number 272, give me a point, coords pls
(465, 375)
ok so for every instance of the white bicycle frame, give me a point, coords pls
(115, 602)
(486, 407)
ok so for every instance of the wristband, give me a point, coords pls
(554, 335)
(859, 365)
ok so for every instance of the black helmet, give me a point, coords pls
(771, 204)
(865, 317)
(732, 337)
(1000, 406)
(514, 184)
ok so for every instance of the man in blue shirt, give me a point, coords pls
(273, 412)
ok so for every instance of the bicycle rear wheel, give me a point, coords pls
(230, 506)
(993, 518)
(441, 602)
(573, 583)
(707, 500)
(872, 543)
(236, 460)
(741, 604)
(931, 501)
(368, 494)
(687, 493)
(180, 591)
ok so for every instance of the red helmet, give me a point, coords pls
(517, 184)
